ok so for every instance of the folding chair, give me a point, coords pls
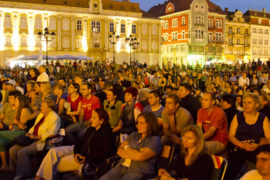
(220, 165)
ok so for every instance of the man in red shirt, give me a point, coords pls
(88, 104)
(213, 121)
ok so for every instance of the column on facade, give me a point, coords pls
(73, 29)
(59, 33)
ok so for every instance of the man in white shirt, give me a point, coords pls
(262, 171)
(243, 80)
(43, 77)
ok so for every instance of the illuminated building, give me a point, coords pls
(259, 33)
(237, 46)
(192, 31)
(82, 27)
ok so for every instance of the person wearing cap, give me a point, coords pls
(188, 101)
(43, 77)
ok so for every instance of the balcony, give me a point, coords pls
(199, 24)
(231, 33)
(216, 41)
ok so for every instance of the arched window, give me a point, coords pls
(184, 20)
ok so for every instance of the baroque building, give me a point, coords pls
(237, 46)
(259, 22)
(82, 27)
(192, 31)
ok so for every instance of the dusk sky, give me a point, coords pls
(242, 5)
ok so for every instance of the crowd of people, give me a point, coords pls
(80, 115)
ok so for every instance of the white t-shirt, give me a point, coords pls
(252, 175)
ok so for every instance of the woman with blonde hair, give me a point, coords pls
(193, 163)
(248, 129)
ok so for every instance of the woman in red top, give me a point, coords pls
(74, 99)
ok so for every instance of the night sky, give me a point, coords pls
(242, 5)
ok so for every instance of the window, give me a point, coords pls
(174, 22)
(266, 42)
(134, 29)
(111, 27)
(123, 28)
(246, 31)
(238, 41)
(238, 30)
(199, 20)
(259, 21)
(95, 26)
(98, 26)
(266, 31)
(230, 30)
(254, 41)
(210, 23)
(260, 41)
(79, 25)
(260, 31)
(199, 34)
(254, 30)
(165, 25)
(230, 41)
(210, 36)
(183, 35)
(174, 36)
(165, 36)
(183, 21)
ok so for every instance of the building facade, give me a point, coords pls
(192, 31)
(237, 37)
(82, 27)
(259, 22)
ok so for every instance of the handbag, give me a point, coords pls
(23, 140)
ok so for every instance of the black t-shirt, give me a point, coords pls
(201, 169)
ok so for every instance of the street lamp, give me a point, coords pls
(133, 44)
(47, 38)
(113, 39)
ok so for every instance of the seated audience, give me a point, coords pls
(8, 112)
(94, 146)
(61, 98)
(248, 129)
(192, 163)
(262, 171)
(113, 107)
(214, 124)
(88, 104)
(264, 105)
(139, 152)
(23, 111)
(188, 101)
(174, 120)
(47, 124)
(130, 112)
(228, 106)
(154, 105)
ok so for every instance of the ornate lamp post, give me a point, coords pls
(113, 39)
(133, 44)
(47, 37)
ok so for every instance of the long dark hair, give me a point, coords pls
(152, 123)
(24, 102)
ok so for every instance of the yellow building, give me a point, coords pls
(237, 37)
(82, 27)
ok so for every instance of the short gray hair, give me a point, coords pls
(253, 96)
